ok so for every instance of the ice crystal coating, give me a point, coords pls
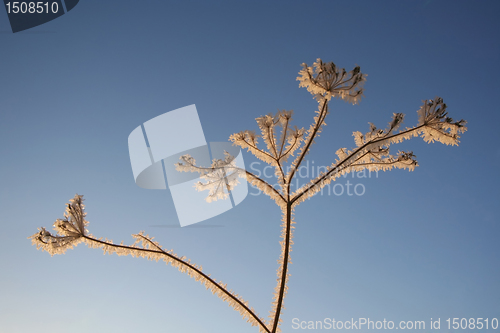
(281, 141)
(69, 231)
(220, 178)
(325, 81)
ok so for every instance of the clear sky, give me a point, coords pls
(415, 246)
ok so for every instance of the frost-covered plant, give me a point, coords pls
(282, 142)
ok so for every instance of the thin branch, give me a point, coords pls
(283, 138)
(290, 148)
(238, 169)
(268, 186)
(189, 266)
(305, 150)
(326, 175)
(273, 142)
(259, 150)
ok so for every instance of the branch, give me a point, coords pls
(189, 165)
(312, 132)
(434, 125)
(266, 188)
(150, 250)
(240, 139)
(322, 180)
(219, 289)
(284, 132)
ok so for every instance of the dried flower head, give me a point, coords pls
(325, 80)
(220, 178)
(69, 231)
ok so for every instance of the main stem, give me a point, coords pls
(283, 280)
(288, 231)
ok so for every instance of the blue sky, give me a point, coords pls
(415, 246)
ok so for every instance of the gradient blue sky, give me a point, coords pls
(415, 246)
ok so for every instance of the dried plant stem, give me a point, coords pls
(207, 280)
(319, 122)
(281, 288)
(340, 165)
(324, 81)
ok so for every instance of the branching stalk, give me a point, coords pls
(324, 81)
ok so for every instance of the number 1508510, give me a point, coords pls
(32, 7)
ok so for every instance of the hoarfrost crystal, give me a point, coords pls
(281, 141)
